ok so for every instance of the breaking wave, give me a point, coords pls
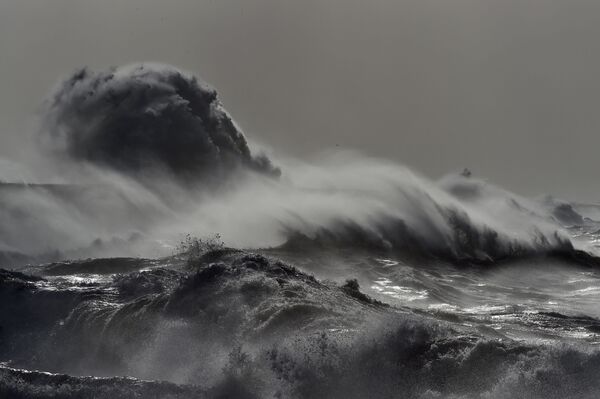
(340, 202)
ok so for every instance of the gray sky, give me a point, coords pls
(508, 88)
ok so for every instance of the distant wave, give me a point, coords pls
(361, 204)
(147, 153)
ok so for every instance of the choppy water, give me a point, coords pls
(230, 323)
(358, 278)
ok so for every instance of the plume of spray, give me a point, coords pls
(144, 117)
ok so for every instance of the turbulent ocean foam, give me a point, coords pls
(343, 277)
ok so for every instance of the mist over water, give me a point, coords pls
(148, 149)
(342, 276)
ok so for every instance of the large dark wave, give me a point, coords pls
(235, 324)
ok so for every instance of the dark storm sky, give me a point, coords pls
(508, 88)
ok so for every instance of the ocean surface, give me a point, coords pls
(163, 258)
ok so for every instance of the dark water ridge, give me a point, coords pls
(230, 323)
